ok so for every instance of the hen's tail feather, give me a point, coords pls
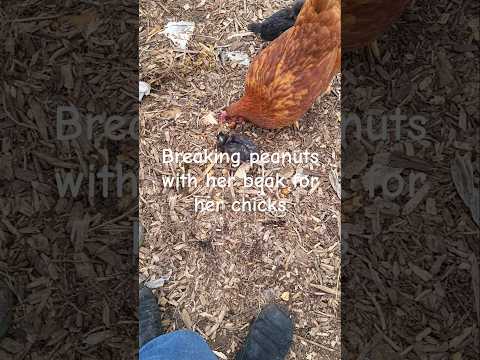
(255, 27)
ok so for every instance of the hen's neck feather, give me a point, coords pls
(252, 109)
(245, 108)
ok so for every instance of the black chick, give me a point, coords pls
(280, 21)
(233, 144)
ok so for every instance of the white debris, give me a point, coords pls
(180, 32)
(220, 355)
(143, 89)
(157, 283)
(299, 177)
(238, 57)
(335, 182)
(210, 119)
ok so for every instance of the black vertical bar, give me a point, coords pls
(410, 180)
(69, 159)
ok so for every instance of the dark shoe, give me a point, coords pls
(6, 308)
(149, 326)
(270, 336)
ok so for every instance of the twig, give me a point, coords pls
(315, 343)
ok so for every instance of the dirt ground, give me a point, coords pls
(224, 266)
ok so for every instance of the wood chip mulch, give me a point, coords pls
(222, 267)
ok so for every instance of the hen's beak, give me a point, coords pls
(222, 118)
(228, 122)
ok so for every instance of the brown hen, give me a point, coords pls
(362, 20)
(284, 80)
